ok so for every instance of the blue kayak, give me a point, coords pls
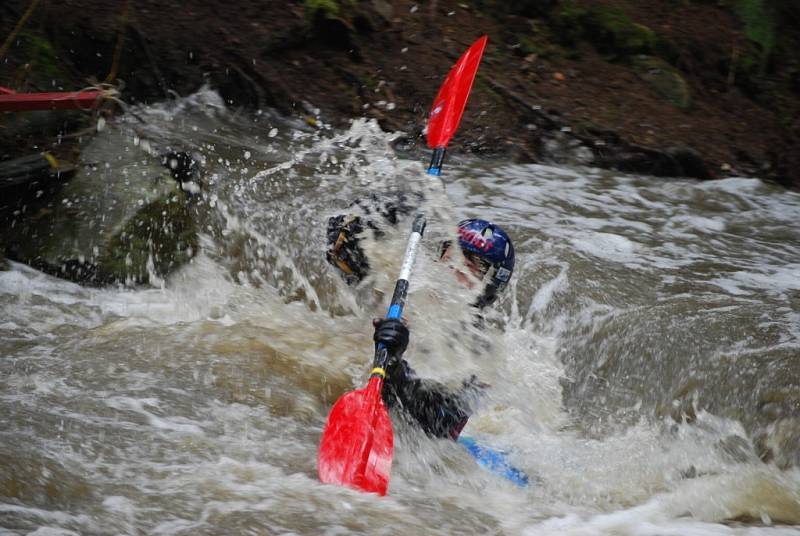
(495, 461)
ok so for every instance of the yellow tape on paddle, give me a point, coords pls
(51, 160)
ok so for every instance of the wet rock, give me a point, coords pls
(128, 223)
(664, 79)
(672, 162)
(612, 31)
(691, 163)
(561, 148)
(160, 237)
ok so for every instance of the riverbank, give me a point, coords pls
(659, 87)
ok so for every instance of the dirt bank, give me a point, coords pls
(658, 86)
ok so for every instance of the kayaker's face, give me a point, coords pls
(468, 274)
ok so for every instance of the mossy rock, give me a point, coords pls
(325, 8)
(609, 30)
(158, 239)
(567, 23)
(121, 219)
(328, 8)
(664, 79)
(40, 66)
(542, 49)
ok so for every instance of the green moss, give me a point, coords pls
(328, 8)
(609, 29)
(529, 46)
(37, 52)
(759, 26)
(664, 79)
(158, 239)
(567, 23)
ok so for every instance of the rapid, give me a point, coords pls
(644, 365)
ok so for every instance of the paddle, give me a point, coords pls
(356, 445)
(357, 442)
(448, 106)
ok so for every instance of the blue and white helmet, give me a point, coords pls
(489, 245)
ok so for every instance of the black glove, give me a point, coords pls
(392, 333)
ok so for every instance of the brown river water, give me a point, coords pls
(644, 366)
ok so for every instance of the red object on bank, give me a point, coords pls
(67, 100)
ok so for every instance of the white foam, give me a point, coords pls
(608, 246)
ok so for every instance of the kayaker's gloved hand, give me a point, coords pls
(393, 333)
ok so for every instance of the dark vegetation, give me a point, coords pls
(665, 87)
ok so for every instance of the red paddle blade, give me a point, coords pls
(357, 443)
(452, 98)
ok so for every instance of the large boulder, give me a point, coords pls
(664, 79)
(160, 237)
(121, 219)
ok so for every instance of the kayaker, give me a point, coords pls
(489, 257)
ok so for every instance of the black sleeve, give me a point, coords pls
(439, 411)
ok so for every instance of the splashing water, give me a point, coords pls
(642, 365)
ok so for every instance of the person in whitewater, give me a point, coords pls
(489, 260)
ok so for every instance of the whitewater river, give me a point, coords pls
(644, 365)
